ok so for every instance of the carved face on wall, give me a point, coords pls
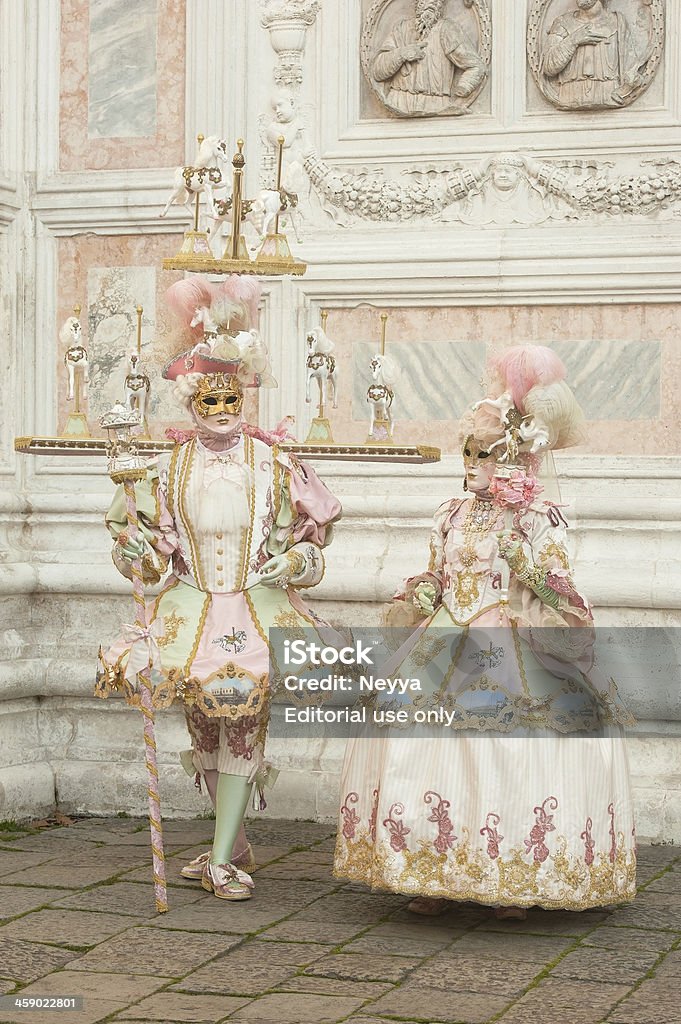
(586, 5)
(283, 109)
(428, 12)
(505, 177)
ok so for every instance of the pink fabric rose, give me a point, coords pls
(517, 490)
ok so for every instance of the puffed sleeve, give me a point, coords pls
(155, 523)
(545, 530)
(304, 522)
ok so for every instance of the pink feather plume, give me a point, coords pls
(523, 367)
(186, 296)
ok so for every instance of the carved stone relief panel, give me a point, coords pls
(595, 54)
(501, 190)
(425, 58)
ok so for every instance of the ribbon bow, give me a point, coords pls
(144, 652)
(225, 466)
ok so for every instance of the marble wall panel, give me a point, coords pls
(622, 363)
(122, 68)
(121, 84)
(109, 277)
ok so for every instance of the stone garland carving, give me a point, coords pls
(427, 65)
(505, 189)
(591, 56)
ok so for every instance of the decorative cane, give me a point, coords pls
(126, 467)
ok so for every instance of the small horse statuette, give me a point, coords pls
(136, 387)
(321, 367)
(380, 397)
(204, 175)
(75, 356)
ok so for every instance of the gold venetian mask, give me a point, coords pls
(218, 394)
(475, 452)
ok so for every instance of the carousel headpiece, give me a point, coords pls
(221, 320)
(530, 410)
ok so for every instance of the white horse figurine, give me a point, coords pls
(205, 175)
(518, 429)
(136, 388)
(203, 316)
(75, 357)
(262, 212)
(380, 394)
(321, 366)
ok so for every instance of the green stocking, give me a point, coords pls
(233, 794)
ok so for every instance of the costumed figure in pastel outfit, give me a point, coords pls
(523, 798)
(240, 526)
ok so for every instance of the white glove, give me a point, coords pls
(131, 549)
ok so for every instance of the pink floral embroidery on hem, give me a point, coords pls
(350, 816)
(398, 830)
(445, 828)
(613, 838)
(543, 824)
(373, 816)
(589, 842)
(493, 836)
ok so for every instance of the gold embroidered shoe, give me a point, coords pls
(227, 882)
(194, 869)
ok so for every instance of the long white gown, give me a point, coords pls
(531, 814)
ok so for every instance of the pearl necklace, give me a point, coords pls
(481, 516)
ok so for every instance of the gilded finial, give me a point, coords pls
(200, 138)
(76, 309)
(239, 159)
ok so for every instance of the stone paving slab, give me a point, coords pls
(335, 987)
(91, 985)
(625, 938)
(71, 875)
(236, 919)
(551, 922)
(354, 967)
(252, 968)
(20, 899)
(567, 1002)
(26, 961)
(131, 898)
(430, 1004)
(475, 974)
(285, 1008)
(509, 946)
(656, 1002)
(174, 1006)
(620, 966)
(66, 927)
(142, 950)
(298, 929)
